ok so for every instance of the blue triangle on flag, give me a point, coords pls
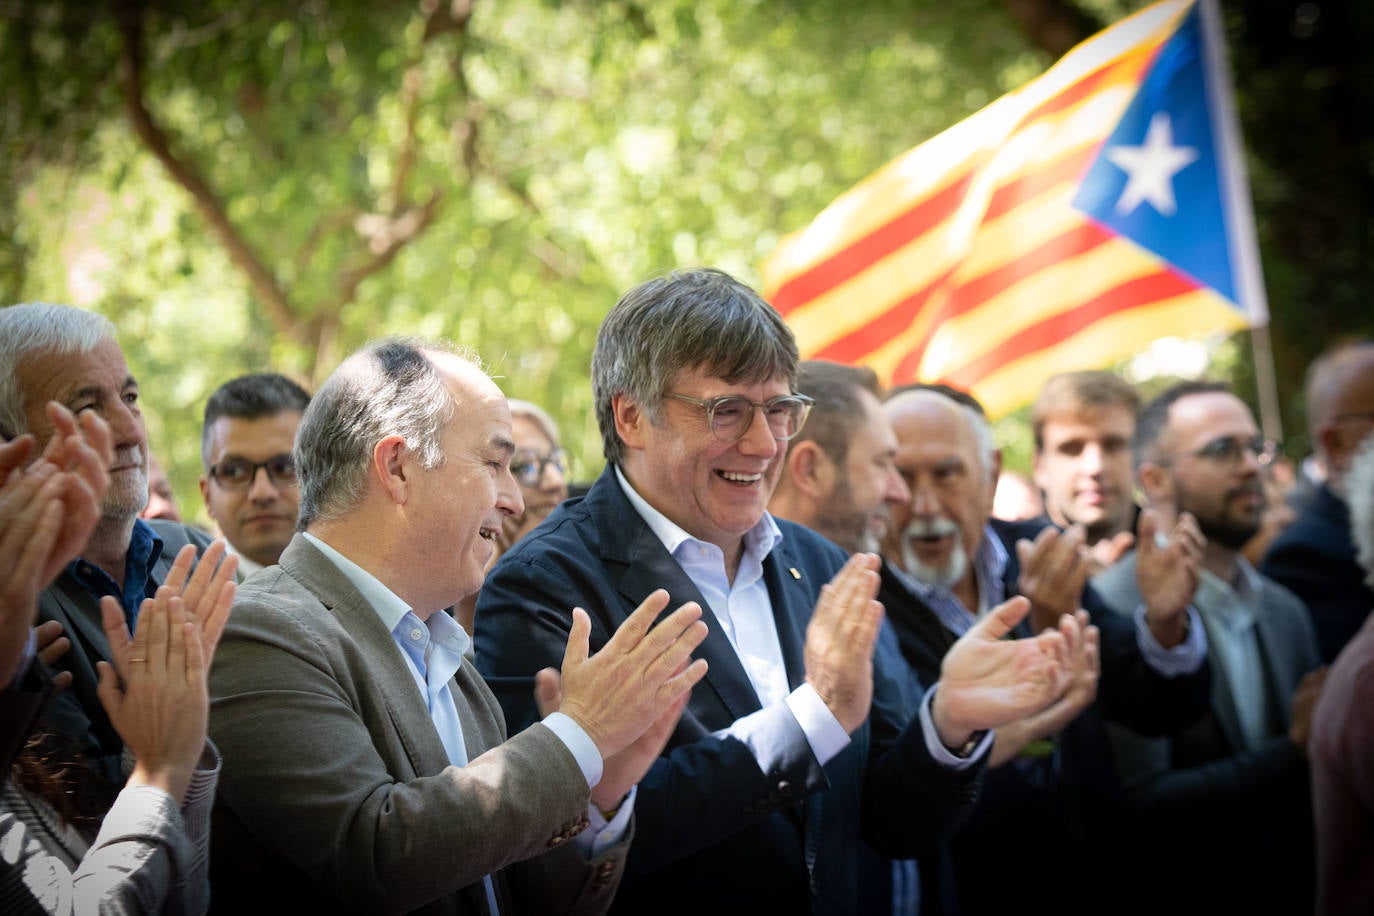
(1155, 179)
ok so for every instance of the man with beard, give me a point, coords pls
(947, 561)
(839, 478)
(68, 355)
(1227, 796)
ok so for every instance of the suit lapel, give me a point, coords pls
(388, 670)
(652, 567)
(1276, 655)
(790, 597)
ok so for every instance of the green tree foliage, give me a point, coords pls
(259, 185)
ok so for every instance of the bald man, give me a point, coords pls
(1315, 555)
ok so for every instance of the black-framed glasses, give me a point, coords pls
(239, 473)
(527, 466)
(1228, 450)
(731, 416)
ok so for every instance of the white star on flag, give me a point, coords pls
(1151, 168)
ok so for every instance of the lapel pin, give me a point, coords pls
(793, 571)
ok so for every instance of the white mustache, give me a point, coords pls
(931, 528)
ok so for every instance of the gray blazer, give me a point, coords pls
(1206, 759)
(336, 790)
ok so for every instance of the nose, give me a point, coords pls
(262, 489)
(508, 497)
(126, 425)
(551, 477)
(923, 501)
(758, 438)
(1091, 461)
(896, 492)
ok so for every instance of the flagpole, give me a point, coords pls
(1266, 381)
(1235, 187)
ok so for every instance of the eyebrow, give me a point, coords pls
(502, 444)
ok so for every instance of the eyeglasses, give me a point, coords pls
(527, 465)
(731, 416)
(1229, 451)
(239, 473)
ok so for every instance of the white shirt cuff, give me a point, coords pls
(579, 744)
(1184, 658)
(823, 731)
(943, 755)
(602, 834)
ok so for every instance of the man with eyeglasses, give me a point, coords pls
(69, 355)
(1315, 555)
(249, 484)
(1228, 796)
(807, 733)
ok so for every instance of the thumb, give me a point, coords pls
(1023, 552)
(548, 691)
(1003, 618)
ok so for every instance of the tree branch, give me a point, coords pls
(279, 310)
(1053, 25)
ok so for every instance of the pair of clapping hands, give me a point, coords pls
(155, 692)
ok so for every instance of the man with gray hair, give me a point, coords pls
(1341, 749)
(69, 355)
(947, 562)
(806, 736)
(366, 763)
(1314, 556)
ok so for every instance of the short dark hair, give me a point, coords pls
(1076, 392)
(1154, 416)
(835, 388)
(251, 397)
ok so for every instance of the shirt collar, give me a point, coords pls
(390, 609)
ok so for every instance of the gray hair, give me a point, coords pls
(982, 435)
(1359, 481)
(690, 319)
(539, 415)
(35, 327)
(390, 387)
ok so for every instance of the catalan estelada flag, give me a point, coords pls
(1067, 225)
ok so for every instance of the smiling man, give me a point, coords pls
(807, 734)
(367, 764)
(249, 485)
(69, 355)
(1082, 425)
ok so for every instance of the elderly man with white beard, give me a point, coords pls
(946, 563)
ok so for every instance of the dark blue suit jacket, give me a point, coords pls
(1315, 558)
(1070, 800)
(717, 830)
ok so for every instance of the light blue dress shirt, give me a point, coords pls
(743, 610)
(434, 650)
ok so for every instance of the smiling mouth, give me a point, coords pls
(487, 534)
(737, 478)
